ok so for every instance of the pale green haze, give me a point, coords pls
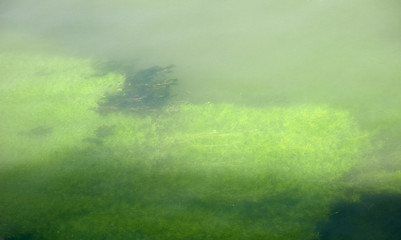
(276, 120)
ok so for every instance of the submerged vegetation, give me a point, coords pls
(146, 90)
(207, 171)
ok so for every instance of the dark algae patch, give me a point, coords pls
(104, 131)
(100, 134)
(40, 131)
(143, 91)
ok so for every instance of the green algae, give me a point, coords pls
(206, 171)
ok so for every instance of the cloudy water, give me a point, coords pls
(199, 119)
(259, 52)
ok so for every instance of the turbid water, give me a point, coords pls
(283, 118)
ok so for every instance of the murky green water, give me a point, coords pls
(278, 120)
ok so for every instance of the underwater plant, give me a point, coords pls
(144, 91)
(191, 171)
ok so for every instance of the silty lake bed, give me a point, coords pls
(200, 120)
